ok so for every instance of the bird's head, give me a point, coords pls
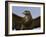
(26, 12)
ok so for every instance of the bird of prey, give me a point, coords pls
(26, 22)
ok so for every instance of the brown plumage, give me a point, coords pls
(25, 23)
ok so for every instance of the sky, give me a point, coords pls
(35, 11)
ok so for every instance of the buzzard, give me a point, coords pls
(26, 22)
